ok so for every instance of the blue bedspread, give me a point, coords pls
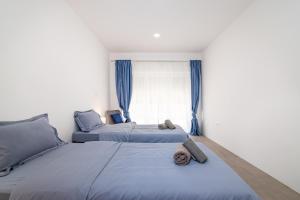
(131, 132)
(127, 171)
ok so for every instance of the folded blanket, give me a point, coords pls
(196, 152)
(162, 126)
(182, 156)
(169, 124)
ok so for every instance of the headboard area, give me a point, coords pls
(108, 115)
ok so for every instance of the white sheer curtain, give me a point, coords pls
(161, 90)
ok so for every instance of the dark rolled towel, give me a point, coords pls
(169, 124)
(162, 126)
(196, 152)
(182, 156)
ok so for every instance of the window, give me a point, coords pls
(161, 90)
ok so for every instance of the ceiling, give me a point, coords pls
(184, 25)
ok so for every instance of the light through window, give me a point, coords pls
(161, 90)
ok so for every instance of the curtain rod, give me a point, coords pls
(154, 60)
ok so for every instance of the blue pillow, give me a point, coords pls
(87, 120)
(44, 116)
(117, 118)
(22, 140)
(25, 120)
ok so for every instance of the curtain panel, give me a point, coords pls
(161, 90)
(123, 78)
(196, 92)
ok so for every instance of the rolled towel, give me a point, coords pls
(162, 126)
(169, 124)
(182, 156)
(196, 152)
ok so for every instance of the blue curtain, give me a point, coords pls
(195, 66)
(123, 76)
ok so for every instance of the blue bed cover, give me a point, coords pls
(124, 171)
(132, 132)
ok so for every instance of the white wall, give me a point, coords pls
(142, 56)
(252, 88)
(49, 62)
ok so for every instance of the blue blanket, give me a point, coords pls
(131, 132)
(127, 171)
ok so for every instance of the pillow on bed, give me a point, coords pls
(87, 120)
(25, 120)
(45, 116)
(24, 139)
(117, 118)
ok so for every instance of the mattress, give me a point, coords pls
(132, 132)
(115, 171)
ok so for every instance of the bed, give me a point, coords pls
(114, 171)
(131, 132)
